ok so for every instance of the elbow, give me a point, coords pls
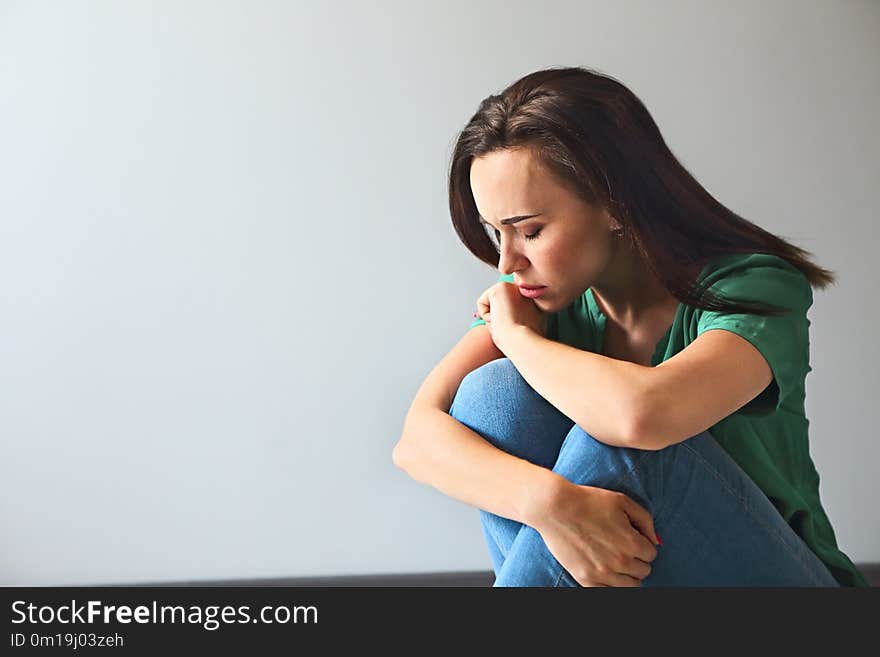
(401, 455)
(640, 435)
(641, 429)
(406, 457)
(411, 452)
(397, 455)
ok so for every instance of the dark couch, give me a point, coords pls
(871, 571)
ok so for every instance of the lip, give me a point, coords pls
(532, 292)
(532, 287)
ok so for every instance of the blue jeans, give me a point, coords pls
(718, 528)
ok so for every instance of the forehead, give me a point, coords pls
(512, 182)
(507, 171)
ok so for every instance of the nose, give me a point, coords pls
(510, 261)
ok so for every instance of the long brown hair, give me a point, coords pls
(599, 140)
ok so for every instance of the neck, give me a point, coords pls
(628, 292)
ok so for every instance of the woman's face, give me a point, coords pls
(567, 244)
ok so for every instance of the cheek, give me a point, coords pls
(568, 255)
(560, 251)
(584, 262)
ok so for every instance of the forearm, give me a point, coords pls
(438, 450)
(600, 394)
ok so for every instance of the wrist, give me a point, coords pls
(516, 337)
(541, 496)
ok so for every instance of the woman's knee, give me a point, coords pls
(480, 388)
(495, 401)
(587, 461)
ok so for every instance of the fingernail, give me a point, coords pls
(659, 540)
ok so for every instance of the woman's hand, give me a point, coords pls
(503, 309)
(601, 537)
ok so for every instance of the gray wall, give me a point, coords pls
(227, 262)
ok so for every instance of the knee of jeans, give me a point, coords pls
(479, 384)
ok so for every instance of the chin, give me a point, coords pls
(553, 304)
(546, 305)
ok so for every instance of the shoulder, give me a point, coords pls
(759, 277)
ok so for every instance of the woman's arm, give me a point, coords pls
(601, 537)
(589, 530)
(629, 405)
(602, 395)
(438, 450)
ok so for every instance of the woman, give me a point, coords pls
(638, 368)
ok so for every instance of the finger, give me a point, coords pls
(589, 583)
(641, 519)
(640, 547)
(637, 569)
(622, 580)
(630, 571)
(644, 552)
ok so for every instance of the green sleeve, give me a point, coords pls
(783, 340)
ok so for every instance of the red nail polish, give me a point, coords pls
(659, 540)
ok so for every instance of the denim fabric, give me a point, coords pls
(718, 527)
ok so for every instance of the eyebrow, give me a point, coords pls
(511, 220)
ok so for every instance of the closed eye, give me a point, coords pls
(497, 234)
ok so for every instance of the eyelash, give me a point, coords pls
(531, 237)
